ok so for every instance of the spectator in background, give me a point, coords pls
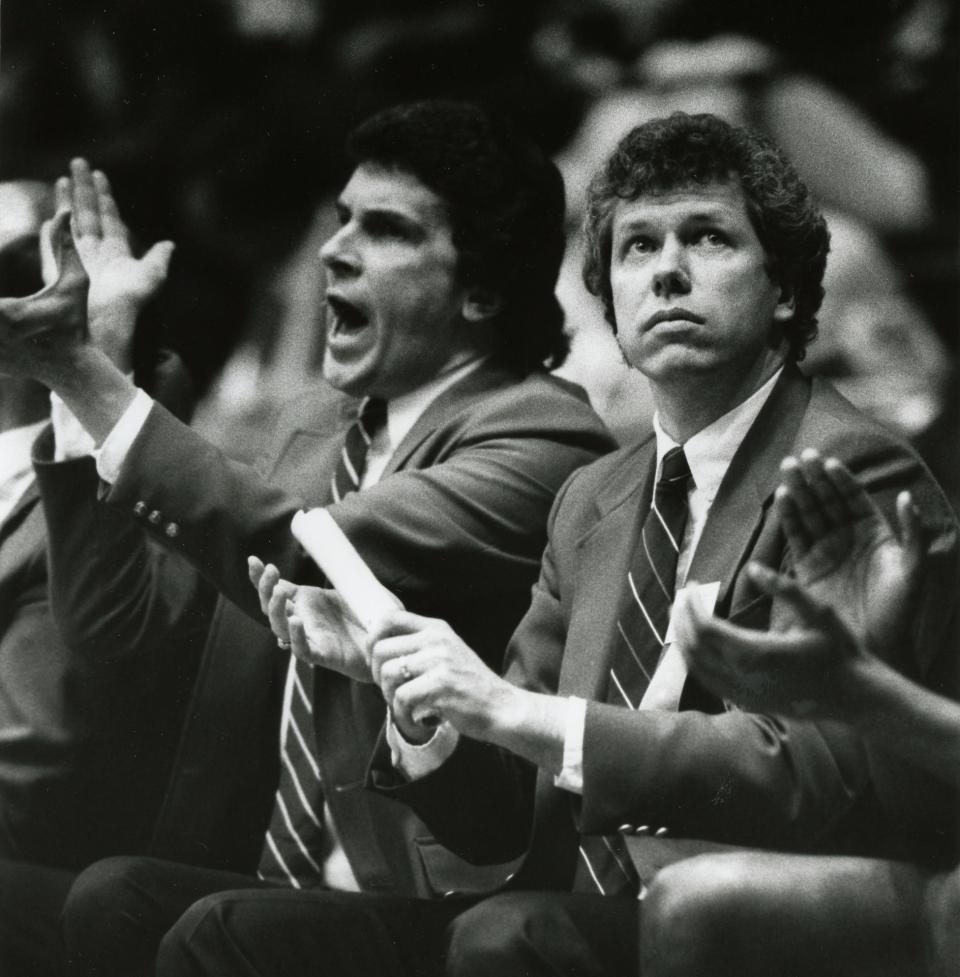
(757, 913)
(86, 740)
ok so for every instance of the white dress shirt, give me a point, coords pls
(708, 453)
(16, 470)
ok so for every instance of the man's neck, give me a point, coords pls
(686, 407)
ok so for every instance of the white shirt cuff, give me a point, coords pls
(70, 438)
(416, 761)
(571, 776)
(116, 446)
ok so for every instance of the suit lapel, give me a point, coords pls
(440, 412)
(603, 559)
(747, 488)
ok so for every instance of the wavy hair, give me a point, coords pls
(505, 203)
(697, 150)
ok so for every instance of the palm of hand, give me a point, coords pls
(863, 572)
(116, 277)
(336, 640)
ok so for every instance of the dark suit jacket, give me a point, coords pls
(455, 527)
(703, 771)
(86, 745)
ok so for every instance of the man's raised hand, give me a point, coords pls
(120, 284)
(808, 669)
(845, 554)
(39, 333)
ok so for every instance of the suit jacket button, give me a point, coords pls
(172, 530)
(140, 509)
(626, 828)
(660, 833)
(155, 517)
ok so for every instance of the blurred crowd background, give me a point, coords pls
(221, 124)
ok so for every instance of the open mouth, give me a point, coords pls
(343, 316)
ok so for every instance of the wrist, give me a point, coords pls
(530, 724)
(112, 332)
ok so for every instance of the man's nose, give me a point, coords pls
(339, 253)
(671, 276)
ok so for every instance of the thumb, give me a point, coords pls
(68, 264)
(157, 259)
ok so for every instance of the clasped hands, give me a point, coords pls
(424, 670)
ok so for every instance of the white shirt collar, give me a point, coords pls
(710, 451)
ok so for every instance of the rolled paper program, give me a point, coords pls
(325, 542)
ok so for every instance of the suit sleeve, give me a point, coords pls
(467, 527)
(479, 803)
(762, 780)
(114, 592)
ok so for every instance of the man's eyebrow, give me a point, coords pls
(702, 215)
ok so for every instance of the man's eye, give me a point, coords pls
(385, 228)
(640, 245)
(714, 239)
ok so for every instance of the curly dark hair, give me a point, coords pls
(505, 203)
(697, 150)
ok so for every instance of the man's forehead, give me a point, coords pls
(691, 200)
(374, 186)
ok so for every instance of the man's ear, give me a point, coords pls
(786, 305)
(481, 304)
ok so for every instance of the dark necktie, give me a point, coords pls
(294, 847)
(644, 616)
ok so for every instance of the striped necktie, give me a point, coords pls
(294, 846)
(642, 624)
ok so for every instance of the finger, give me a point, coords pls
(83, 200)
(856, 499)
(811, 612)
(283, 593)
(806, 504)
(255, 569)
(70, 272)
(111, 223)
(268, 580)
(61, 194)
(48, 261)
(297, 637)
(798, 540)
(157, 260)
(396, 623)
(832, 504)
(414, 702)
(908, 516)
(387, 650)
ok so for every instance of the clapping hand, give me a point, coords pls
(120, 284)
(312, 622)
(40, 333)
(845, 554)
(850, 600)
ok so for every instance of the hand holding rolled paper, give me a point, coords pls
(362, 594)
